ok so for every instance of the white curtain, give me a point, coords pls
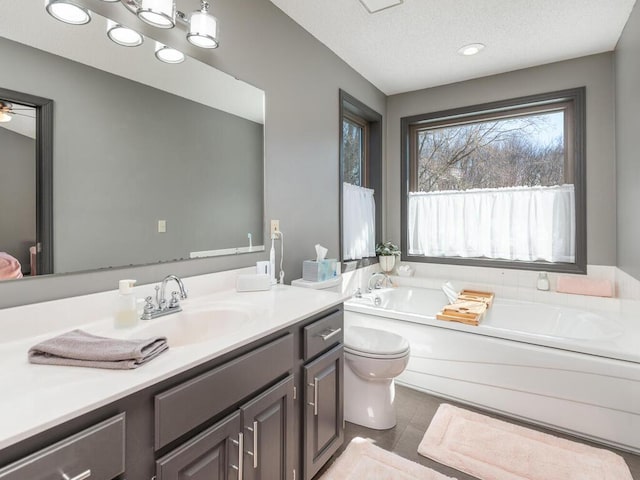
(518, 223)
(358, 222)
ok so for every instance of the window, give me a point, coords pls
(360, 178)
(499, 184)
(355, 159)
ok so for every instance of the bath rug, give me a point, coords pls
(362, 460)
(492, 449)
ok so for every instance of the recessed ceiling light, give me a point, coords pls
(471, 49)
(374, 6)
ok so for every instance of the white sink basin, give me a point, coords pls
(196, 326)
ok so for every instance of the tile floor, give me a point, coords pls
(415, 410)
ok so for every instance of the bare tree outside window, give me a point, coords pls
(354, 134)
(521, 151)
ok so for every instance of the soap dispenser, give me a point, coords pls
(126, 311)
(543, 282)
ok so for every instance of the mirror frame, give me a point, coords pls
(44, 175)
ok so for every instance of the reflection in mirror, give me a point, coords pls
(17, 189)
(139, 146)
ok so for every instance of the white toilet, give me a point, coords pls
(373, 358)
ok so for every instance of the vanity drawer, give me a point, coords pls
(192, 403)
(96, 453)
(323, 334)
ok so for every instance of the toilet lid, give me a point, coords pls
(374, 341)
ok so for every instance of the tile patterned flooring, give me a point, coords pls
(414, 412)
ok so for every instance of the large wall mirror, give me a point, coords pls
(150, 162)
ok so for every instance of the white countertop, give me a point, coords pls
(38, 397)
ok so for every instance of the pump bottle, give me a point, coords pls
(126, 310)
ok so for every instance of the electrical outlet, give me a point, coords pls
(275, 226)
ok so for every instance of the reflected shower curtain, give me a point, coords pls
(516, 223)
(358, 222)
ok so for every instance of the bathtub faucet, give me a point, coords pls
(379, 280)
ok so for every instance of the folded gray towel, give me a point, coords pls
(81, 349)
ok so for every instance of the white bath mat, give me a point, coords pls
(491, 449)
(362, 460)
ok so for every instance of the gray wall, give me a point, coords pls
(595, 72)
(301, 78)
(127, 155)
(628, 164)
(17, 195)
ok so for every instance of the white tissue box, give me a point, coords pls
(253, 283)
(314, 271)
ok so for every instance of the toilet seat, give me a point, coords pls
(374, 343)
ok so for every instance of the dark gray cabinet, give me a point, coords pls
(212, 455)
(96, 452)
(323, 412)
(262, 429)
(189, 404)
(268, 427)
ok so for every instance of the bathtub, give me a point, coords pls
(560, 367)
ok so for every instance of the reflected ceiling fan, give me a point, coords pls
(7, 110)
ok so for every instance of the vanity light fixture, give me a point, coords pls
(203, 27)
(123, 35)
(159, 13)
(167, 54)
(471, 49)
(68, 12)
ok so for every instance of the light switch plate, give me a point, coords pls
(162, 226)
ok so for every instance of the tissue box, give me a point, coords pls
(314, 271)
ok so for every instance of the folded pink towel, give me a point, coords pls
(9, 267)
(584, 286)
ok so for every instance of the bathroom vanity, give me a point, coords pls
(263, 401)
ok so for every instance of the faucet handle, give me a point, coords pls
(148, 308)
(175, 302)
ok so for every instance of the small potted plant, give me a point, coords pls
(387, 253)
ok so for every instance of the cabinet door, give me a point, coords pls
(212, 455)
(268, 425)
(323, 411)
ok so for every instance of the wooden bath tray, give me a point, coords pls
(476, 296)
(469, 312)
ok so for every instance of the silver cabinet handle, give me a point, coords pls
(330, 332)
(315, 395)
(254, 454)
(255, 444)
(81, 476)
(240, 467)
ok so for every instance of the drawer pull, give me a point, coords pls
(240, 467)
(330, 332)
(81, 476)
(315, 396)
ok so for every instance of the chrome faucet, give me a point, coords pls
(379, 283)
(162, 308)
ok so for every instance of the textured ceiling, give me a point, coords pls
(415, 44)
